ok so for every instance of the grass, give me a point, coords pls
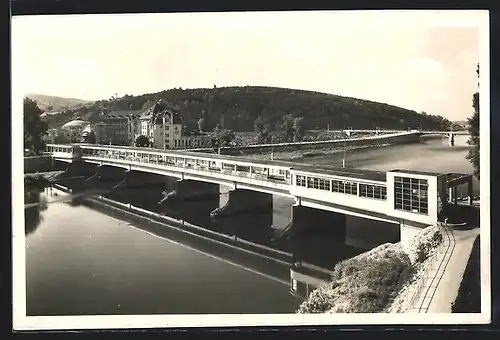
(469, 293)
(362, 284)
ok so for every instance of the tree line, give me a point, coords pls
(237, 109)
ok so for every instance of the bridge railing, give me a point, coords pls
(227, 175)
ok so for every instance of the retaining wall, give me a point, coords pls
(37, 164)
(367, 141)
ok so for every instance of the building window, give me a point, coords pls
(351, 188)
(345, 187)
(372, 191)
(324, 184)
(411, 194)
(313, 183)
(299, 180)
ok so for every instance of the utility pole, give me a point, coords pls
(344, 135)
(164, 146)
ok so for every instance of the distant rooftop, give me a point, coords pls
(75, 123)
(453, 176)
(416, 172)
(160, 109)
(121, 114)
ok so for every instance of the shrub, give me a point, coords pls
(362, 285)
(423, 245)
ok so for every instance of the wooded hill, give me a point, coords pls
(237, 108)
(58, 104)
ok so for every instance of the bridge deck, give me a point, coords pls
(312, 168)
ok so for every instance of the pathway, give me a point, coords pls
(442, 282)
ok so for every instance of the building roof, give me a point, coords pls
(122, 114)
(159, 109)
(416, 172)
(370, 175)
(75, 123)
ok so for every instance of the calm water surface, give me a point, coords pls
(80, 261)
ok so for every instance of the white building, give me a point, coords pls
(118, 128)
(162, 124)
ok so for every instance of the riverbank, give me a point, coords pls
(306, 153)
(379, 280)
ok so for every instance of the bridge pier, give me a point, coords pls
(138, 179)
(451, 139)
(245, 201)
(407, 232)
(189, 190)
(364, 233)
(75, 175)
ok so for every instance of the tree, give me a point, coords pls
(34, 127)
(263, 130)
(473, 128)
(142, 141)
(61, 139)
(298, 129)
(201, 124)
(287, 127)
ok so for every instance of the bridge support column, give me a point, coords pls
(245, 201)
(453, 195)
(189, 190)
(451, 139)
(137, 179)
(75, 175)
(470, 192)
(407, 233)
(192, 190)
(364, 233)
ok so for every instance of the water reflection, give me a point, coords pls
(36, 203)
(318, 246)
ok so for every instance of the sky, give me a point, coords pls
(423, 62)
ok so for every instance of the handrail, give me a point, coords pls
(231, 176)
(428, 296)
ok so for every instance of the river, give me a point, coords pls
(82, 261)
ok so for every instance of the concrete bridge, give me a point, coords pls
(377, 137)
(400, 137)
(450, 134)
(423, 132)
(323, 195)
